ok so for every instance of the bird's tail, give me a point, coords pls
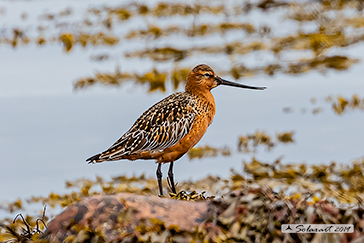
(94, 159)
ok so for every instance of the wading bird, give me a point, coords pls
(171, 127)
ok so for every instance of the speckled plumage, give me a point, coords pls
(167, 130)
(161, 126)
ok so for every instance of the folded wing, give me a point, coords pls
(160, 127)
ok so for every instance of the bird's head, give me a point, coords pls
(203, 78)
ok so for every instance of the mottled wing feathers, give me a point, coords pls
(160, 127)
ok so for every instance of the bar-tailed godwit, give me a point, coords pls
(171, 127)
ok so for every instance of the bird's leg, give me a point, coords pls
(159, 177)
(170, 177)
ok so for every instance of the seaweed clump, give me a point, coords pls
(246, 207)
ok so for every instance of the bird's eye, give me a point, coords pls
(208, 75)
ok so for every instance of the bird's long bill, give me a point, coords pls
(221, 81)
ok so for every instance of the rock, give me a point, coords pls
(110, 215)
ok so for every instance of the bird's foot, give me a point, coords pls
(172, 185)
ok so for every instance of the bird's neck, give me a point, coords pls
(205, 95)
(206, 100)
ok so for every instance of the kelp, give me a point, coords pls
(250, 143)
(335, 29)
(154, 78)
(69, 40)
(247, 195)
(178, 75)
(339, 105)
(207, 151)
(194, 30)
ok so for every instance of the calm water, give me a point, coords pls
(47, 130)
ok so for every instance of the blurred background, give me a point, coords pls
(75, 75)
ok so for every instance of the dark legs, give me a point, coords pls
(170, 178)
(159, 177)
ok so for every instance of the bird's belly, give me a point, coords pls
(187, 142)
